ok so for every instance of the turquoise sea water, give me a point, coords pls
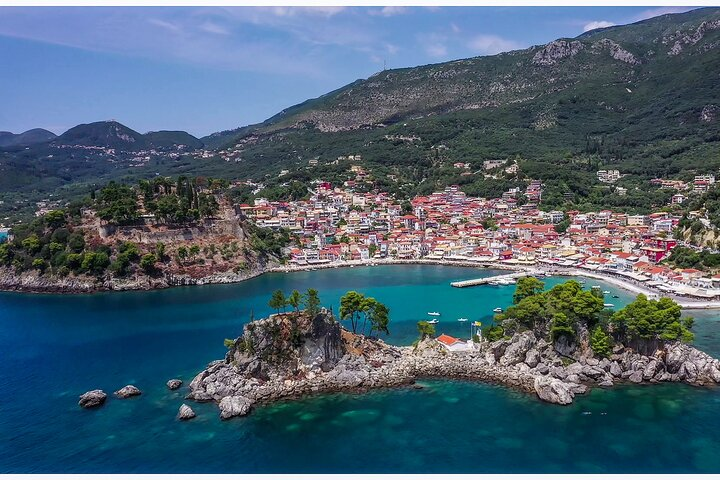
(57, 347)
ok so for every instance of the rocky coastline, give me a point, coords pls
(33, 282)
(292, 355)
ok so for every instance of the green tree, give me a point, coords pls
(426, 330)
(312, 302)
(379, 316)
(294, 300)
(39, 264)
(76, 242)
(55, 219)
(31, 244)
(561, 326)
(147, 263)
(600, 342)
(527, 287)
(351, 307)
(5, 254)
(645, 319)
(277, 300)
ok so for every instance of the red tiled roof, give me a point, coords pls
(447, 339)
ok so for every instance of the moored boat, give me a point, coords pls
(434, 314)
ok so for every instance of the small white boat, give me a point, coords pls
(497, 310)
(608, 305)
(606, 292)
(434, 314)
(493, 283)
(433, 321)
(462, 319)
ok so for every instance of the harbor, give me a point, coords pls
(505, 279)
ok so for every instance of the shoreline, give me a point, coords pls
(148, 284)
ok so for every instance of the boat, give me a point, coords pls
(605, 292)
(494, 283)
(462, 319)
(608, 305)
(616, 296)
(497, 310)
(434, 314)
(433, 321)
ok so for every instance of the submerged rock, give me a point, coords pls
(128, 391)
(235, 406)
(185, 412)
(174, 384)
(93, 398)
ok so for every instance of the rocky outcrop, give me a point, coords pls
(128, 391)
(291, 355)
(234, 406)
(174, 384)
(555, 51)
(616, 51)
(185, 412)
(709, 113)
(93, 398)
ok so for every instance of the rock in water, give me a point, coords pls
(174, 384)
(553, 390)
(93, 398)
(185, 413)
(234, 406)
(128, 391)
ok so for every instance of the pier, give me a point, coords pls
(497, 278)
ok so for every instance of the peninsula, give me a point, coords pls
(554, 344)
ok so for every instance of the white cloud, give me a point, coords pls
(492, 44)
(597, 24)
(454, 28)
(389, 11)
(436, 49)
(211, 27)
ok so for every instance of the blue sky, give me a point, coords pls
(208, 69)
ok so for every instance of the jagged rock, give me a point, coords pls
(636, 376)
(542, 369)
(518, 348)
(709, 113)
(128, 391)
(564, 347)
(615, 369)
(688, 371)
(593, 362)
(532, 358)
(604, 364)
(650, 369)
(616, 51)
(93, 398)
(553, 390)
(551, 53)
(174, 384)
(606, 382)
(234, 406)
(185, 412)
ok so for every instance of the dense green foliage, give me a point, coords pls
(600, 342)
(356, 306)
(646, 319)
(565, 309)
(684, 257)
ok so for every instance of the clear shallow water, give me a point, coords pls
(56, 347)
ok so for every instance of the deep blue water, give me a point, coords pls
(57, 347)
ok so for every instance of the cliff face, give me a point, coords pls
(288, 344)
(289, 355)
